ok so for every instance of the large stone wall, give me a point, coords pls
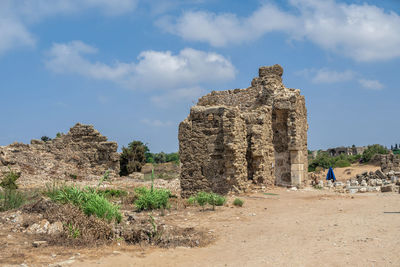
(235, 138)
(82, 152)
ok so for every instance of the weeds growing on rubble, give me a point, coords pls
(89, 200)
(10, 198)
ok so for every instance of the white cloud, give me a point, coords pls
(156, 123)
(17, 16)
(13, 34)
(361, 32)
(153, 70)
(331, 76)
(371, 84)
(221, 29)
(324, 75)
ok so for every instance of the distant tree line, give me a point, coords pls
(324, 160)
(136, 154)
(395, 149)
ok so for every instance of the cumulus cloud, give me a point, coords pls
(324, 75)
(153, 69)
(361, 32)
(331, 76)
(371, 84)
(17, 16)
(222, 29)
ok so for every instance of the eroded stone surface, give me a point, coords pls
(235, 138)
(82, 152)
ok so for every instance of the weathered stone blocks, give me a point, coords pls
(83, 151)
(236, 138)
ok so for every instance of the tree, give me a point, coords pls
(133, 158)
(45, 138)
(372, 151)
(160, 157)
(173, 157)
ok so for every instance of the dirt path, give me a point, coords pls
(299, 228)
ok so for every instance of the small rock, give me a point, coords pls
(387, 188)
(353, 190)
(37, 244)
(55, 228)
(39, 228)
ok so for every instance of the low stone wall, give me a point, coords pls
(81, 153)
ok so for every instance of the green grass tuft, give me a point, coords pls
(238, 202)
(150, 199)
(89, 200)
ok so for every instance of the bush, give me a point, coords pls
(150, 199)
(10, 198)
(203, 198)
(89, 200)
(45, 138)
(238, 202)
(324, 160)
(133, 158)
(373, 150)
(109, 193)
(342, 163)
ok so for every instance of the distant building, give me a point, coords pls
(346, 150)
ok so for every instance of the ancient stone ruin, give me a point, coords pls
(82, 152)
(390, 162)
(232, 139)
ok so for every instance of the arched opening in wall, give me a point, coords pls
(281, 147)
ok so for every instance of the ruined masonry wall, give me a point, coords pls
(235, 138)
(83, 152)
(390, 162)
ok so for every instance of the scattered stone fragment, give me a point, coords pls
(37, 244)
(387, 188)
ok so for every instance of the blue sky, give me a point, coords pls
(133, 68)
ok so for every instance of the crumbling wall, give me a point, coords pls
(80, 153)
(270, 143)
(390, 162)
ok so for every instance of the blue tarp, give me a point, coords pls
(330, 175)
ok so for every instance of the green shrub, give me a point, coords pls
(373, 150)
(133, 158)
(10, 198)
(342, 163)
(110, 193)
(89, 200)
(100, 207)
(238, 202)
(191, 200)
(204, 198)
(73, 232)
(150, 199)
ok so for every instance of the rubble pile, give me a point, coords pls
(366, 182)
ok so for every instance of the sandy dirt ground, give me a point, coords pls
(294, 228)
